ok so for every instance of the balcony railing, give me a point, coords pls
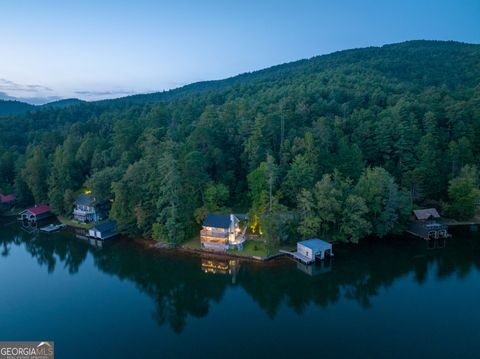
(213, 234)
(82, 212)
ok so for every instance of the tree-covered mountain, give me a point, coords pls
(64, 103)
(338, 146)
(12, 108)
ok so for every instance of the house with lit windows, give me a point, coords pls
(221, 232)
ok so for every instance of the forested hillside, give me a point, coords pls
(8, 107)
(338, 146)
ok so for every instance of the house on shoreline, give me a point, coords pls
(87, 209)
(221, 232)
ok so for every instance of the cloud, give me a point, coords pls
(103, 93)
(31, 93)
(31, 100)
(11, 86)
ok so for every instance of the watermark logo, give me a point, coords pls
(27, 350)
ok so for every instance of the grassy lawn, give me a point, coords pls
(193, 243)
(252, 248)
(75, 224)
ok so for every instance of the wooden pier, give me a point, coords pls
(428, 231)
(52, 228)
(298, 256)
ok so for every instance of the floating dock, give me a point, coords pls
(52, 228)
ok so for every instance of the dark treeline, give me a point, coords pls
(339, 146)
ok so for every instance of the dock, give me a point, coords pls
(428, 231)
(52, 228)
(300, 257)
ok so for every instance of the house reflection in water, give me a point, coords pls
(229, 266)
(317, 268)
(437, 243)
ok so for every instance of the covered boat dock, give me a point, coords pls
(310, 250)
(427, 225)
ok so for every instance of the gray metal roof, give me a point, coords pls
(217, 221)
(106, 226)
(85, 200)
(427, 213)
(316, 244)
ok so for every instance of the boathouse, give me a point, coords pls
(311, 249)
(103, 231)
(34, 214)
(221, 232)
(426, 224)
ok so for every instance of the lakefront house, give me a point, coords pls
(221, 232)
(87, 209)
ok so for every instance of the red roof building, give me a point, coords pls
(36, 213)
(7, 199)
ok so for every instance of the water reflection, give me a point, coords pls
(183, 286)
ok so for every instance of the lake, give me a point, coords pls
(397, 297)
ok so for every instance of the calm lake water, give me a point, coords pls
(389, 298)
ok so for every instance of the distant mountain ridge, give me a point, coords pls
(13, 107)
(420, 63)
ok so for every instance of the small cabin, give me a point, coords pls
(313, 248)
(221, 232)
(103, 231)
(87, 209)
(35, 214)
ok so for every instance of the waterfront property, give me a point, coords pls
(309, 250)
(34, 214)
(87, 209)
(221, 232)
(426, 224)
(103, 231)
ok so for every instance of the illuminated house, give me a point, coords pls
(87, 209)
(221, 232)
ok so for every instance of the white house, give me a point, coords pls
(221, 232)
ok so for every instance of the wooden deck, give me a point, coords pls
(428, 231)
(298, 256)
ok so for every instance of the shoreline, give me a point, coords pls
(153, 245)
(150, 244)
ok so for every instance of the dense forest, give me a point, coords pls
(339, 146)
